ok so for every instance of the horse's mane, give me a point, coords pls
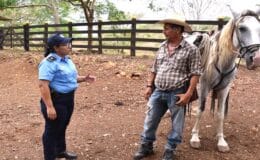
(204, 48)
(221, 48)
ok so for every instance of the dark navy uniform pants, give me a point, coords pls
(54, 134)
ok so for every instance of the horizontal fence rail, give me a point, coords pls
(129, 35)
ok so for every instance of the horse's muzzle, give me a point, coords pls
(249, 50)
(252, 55)
(256, 59)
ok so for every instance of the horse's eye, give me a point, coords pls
(242, 29)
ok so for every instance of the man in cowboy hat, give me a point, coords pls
(172, 80)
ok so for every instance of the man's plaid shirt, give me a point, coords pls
(173, 71)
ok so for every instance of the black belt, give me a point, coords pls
(172, 89)
(55, 93)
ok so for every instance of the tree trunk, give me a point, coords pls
(88, 7)
(55, 12)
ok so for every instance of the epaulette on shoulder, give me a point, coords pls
(51, 59)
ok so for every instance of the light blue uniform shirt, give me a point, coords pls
(61, 72)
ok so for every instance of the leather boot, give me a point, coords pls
(168, 155)
(145, 150)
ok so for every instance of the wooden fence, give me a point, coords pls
(31, 36)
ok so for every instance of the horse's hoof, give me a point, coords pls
(223, 148)
(195, 144)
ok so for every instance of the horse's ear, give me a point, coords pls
(257, 11)
(234, 13)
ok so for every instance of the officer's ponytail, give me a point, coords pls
(48, 51)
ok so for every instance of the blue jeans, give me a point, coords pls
(158, 104)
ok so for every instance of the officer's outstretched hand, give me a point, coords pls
(89, 78)
(51, 112)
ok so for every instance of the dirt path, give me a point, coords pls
(109, 114)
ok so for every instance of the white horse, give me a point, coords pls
(240, 37)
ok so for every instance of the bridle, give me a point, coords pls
(249, 48)
(245, 49)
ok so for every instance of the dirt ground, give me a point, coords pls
(109, 114)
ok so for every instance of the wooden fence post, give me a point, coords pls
(45, 36)
(133, 37)
(70, 30)
(90, 32)
(26, 37)
(100, 50)
(1, 38)
(221, 23)
(11, 36)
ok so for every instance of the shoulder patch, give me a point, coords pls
(51, 59)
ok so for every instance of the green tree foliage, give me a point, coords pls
(41, 11)
(114, 13)
(34, 11)
(91, 7)
(6, 3)
(109, 9)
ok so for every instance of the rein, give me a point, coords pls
(223, 75)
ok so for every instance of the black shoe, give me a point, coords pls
(168, 155)
(67, 155)
(144, 151)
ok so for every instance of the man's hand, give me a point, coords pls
(148, 92)
(183, 99)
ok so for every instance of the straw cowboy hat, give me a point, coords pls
(179, 21)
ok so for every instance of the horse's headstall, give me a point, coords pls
(248, 49)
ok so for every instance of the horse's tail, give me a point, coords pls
(204, 48)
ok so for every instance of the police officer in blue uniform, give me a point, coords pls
(58, 80)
